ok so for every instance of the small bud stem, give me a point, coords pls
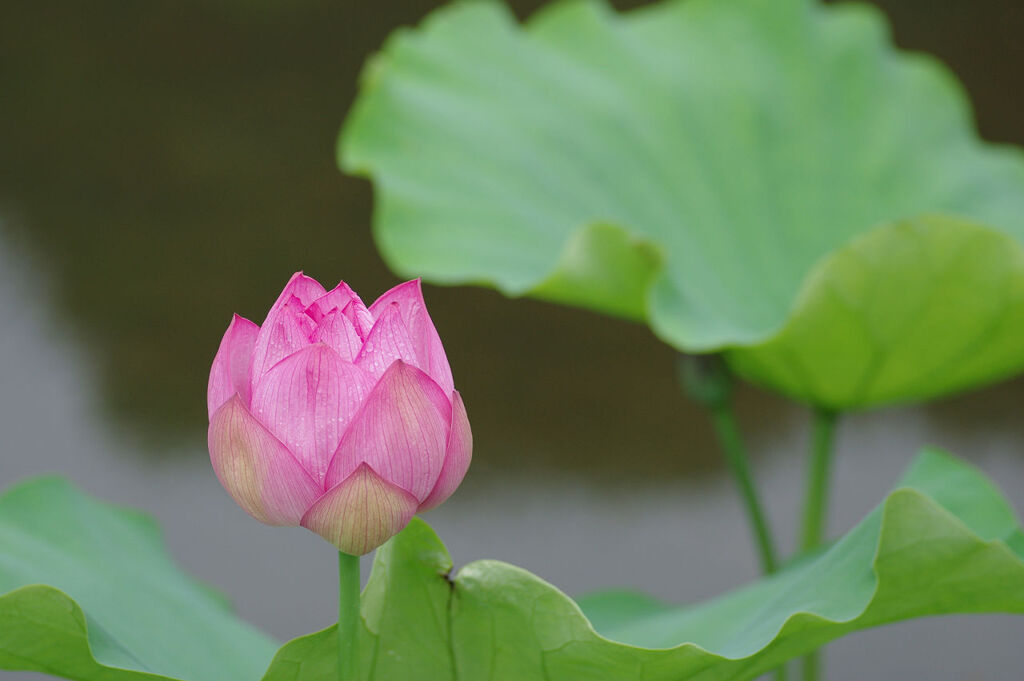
(815, 513)
(348, 616)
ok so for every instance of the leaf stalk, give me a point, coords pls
(816, 503)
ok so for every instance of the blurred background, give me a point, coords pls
(164, 164)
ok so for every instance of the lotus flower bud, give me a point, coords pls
(337, 417)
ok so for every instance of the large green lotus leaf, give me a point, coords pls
(701, 165)
(944, 542)
(88, 591)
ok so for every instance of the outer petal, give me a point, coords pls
(308, 400)
(256, 469)
(361, 512)
(389, 340)
(230, 371)
(401, 431)
(337, 331)
(457, 457)
(409, 297)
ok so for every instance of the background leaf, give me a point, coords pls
(89, 592)
(917, 308)
(939, 544)
(741, 141)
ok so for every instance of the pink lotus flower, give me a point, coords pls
(337, 417)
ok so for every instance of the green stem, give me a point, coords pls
(724, 419)
(708, 381)
(348, 615)
(818, 472)
(815, 514)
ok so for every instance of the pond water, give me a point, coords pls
(166, 164)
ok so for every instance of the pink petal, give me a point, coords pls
(337, 298)
(287, 330)
(401, 431)
(388, 342)
(359, 316)
(256, 469)
(307, 401)
(360, 513)
(230, 371)
(426, 342)
(458, 454)
(337, 331)
(306, 289)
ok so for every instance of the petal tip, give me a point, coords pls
(229, 372)
(360, 513)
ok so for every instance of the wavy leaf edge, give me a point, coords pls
(101, 654)
(500, 582)
(44, 593)
(559, 280)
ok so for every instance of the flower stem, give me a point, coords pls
(348, 615)
(815, 512)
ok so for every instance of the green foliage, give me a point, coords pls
(921, 307)
(939, 544)
(727, 170)
(406, 631)
(89, 592)
(944, 542)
